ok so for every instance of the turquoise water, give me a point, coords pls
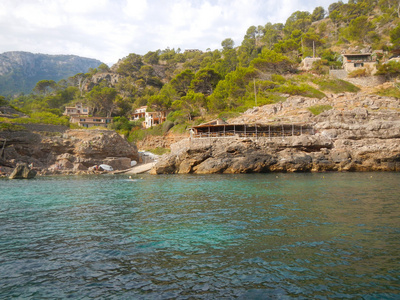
(258, 236)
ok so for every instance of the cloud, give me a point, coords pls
(111, 29)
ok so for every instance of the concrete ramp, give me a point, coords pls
(139, 169)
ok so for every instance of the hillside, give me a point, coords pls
(193, 87)
(20, 71)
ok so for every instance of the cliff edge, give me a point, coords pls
(356, 132)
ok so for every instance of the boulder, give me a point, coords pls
(118, 163)
(22, 171)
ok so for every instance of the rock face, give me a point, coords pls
(71, 152)
(20, 71)
(359, 133)
(22, 171)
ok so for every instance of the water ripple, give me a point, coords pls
(252, 236)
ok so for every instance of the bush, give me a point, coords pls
(301, 90)
(336, 85)
(358, 73)
(11, 127)
(317, 109)
(389, 92)
(159, 150)
(166, 126)
(43, 118)
(3, 101)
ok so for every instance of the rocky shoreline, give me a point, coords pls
(71, 152)
(359, 133)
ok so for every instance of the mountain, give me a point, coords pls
(20, 71)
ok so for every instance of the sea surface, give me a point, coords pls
(256, 236)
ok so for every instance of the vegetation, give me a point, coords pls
(317, 109)
(195, 86)
(11, 127)
(159, 151)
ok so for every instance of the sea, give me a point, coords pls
(246, 236)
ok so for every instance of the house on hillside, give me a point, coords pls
(79, 114)
(352, 62)
(76, 110)
(150, 118)
(87, 122)
(139, 113)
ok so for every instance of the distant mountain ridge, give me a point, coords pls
(20, 71)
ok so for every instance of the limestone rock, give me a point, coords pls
(22, 171)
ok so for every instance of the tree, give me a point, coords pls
(334, 7)
(182, 81)
(103, 68)
(318, 14)
(359, 28)
(102, 99)
(395, 36)
(79, 80)
(227, 44)
(390, 70)
(130, 64)
(191, 105)
(248, 50)
(205, 81)
(300, 20)
(230, 92)
(272, 34)
(228, 63)
(272, 62)
(126, 87)
(43, 87)
(152, 57)
(3, 101)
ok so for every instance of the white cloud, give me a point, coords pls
(111, 29)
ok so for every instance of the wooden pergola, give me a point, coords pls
(251, 130)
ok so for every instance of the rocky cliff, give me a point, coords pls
(73, 151)
(360, 132)
(20, 71)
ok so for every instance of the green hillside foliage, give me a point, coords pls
(196, 86)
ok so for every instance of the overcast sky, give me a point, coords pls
(111, 29)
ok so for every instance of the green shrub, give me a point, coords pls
(166, 126)
(159, 150)
(362, 72)
(317, 109)
(11, 127)
(180, 128)
(278, 78)
(301, 90)
(389, 92)
(336, 85)
(43, 118)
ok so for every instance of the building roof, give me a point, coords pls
(357, 54)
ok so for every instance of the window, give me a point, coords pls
(358, 65)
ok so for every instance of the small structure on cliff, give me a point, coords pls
(352, 62)
(217, 130)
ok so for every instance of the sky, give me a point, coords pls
(109, 30)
